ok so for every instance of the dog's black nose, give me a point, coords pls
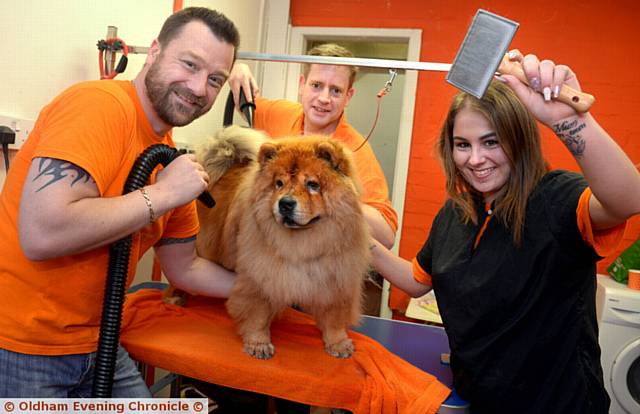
(286, 205)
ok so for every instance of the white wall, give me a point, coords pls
(47, 46)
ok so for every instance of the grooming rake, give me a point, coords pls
(483, 53)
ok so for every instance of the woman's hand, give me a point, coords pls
(545, 79)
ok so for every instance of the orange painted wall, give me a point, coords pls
(599, 40)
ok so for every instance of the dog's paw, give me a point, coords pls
(342, 349)
(175, 300)
(260, 350)
(174, 296)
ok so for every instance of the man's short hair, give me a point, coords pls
(218, 23)
(331, 49)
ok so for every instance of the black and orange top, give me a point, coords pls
(521, 321)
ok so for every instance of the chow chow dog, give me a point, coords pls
(288, 221)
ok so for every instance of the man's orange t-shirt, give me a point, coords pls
(280, 118)
(53, 307)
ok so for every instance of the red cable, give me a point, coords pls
(380, 94)
(125, 52)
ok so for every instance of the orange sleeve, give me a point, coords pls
(603, 241)
(183, 222)
(94, 140)
(278, 118)
(419, 274)
(375, 190)
(374, 184)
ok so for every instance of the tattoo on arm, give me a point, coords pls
(172, 240)
(56, 170)
(569, 133)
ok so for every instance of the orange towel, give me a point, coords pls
(200, 341)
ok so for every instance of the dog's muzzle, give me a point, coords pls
(287, 208)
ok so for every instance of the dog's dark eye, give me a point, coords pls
(313, 186)
(279, 184)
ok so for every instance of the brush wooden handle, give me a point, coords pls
(580, 101)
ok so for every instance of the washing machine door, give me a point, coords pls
(625, 377)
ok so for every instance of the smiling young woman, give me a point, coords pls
(512, 254)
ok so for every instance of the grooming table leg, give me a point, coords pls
(169, 379)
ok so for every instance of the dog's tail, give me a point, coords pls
(230, 146)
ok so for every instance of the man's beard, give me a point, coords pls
(168, 107)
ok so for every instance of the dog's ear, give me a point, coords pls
(333, 153)
(268, 151)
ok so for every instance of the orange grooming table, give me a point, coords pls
(200, 341)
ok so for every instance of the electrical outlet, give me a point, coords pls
(22, 127)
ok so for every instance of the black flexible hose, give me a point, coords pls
(5, 151)
(228, 110)
(119, 254)
(247, 109)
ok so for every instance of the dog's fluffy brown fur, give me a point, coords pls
(288, 221)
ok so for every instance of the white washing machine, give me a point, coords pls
(618, 309)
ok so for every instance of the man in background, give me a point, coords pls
(325, 91)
